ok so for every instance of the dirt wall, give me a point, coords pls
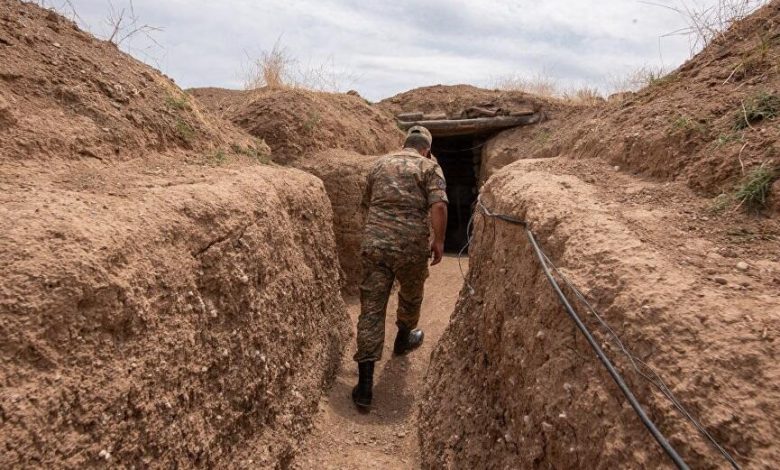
(513, 384)
(298, 123)
(186, 322)
(344, 174)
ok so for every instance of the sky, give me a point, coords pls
(381, 48)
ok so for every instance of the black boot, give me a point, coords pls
(362, 393)
(407, 340)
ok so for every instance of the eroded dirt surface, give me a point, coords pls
(386, 437)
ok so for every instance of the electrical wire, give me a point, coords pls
(648, 375)
(469, 238)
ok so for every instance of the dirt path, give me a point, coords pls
(385, 438)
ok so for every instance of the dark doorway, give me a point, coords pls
(459, 158)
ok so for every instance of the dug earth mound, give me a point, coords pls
(659, 206)
(513, 383)
(334, 136)
(172, 267)
(298, 123)
(167, 297)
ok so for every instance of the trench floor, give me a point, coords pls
(386, 437)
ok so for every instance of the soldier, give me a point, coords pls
(404, 197)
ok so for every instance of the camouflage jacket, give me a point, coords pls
(401, 187)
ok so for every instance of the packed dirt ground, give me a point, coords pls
(385, 438)
(179, 269)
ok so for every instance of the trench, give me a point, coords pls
(387, 437)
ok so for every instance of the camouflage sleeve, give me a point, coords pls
(435, 186)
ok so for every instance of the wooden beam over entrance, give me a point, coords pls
(450, 127)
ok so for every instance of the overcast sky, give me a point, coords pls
(385, 47)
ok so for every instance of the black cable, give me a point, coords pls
(651, 427)
(650, 375)
(673, 455)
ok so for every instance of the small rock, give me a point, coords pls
(401, 434)
(720, 280)
(742, 266)
(57, 45)
(104, 454)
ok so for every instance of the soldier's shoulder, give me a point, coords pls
(431, 165)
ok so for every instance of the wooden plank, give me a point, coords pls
(449, 127)
(409, 117)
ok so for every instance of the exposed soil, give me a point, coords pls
(170, 296)
(454, 100)
(298, 123)
(648, 258)
(385, 438)
(344, 175)
(621, 198)
(688, 125)
(167, 297)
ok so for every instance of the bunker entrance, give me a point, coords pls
(459, 157)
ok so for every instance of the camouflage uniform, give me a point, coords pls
(401, 188)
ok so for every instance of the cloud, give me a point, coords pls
(394, 46)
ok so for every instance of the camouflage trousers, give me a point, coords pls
(379, 272)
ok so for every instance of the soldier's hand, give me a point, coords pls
(437, 251)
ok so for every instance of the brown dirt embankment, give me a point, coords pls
(189, 322)
(686, 126)
(513, 384)
(166, 298)
(344, 175)
(455, 100)
(298, 123)
(331, 135)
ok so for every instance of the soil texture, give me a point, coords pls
(385, 438)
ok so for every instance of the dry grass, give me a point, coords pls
(585, 96)
(278, 68)
(547, 87)
(638, 78)
(708, 23)
(539, 85)
(272, 69)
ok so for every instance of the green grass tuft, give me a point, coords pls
(181, 103)
(753, 191)
(688, 124)
(217, 158)
(312, 121)
(185, 131)
(724, 139)
(259, 153)
(762, 106)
